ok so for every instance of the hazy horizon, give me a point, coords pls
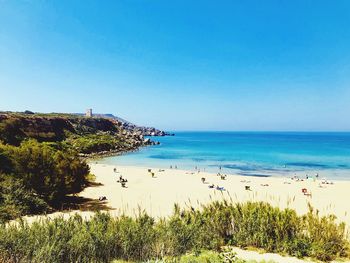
(179, 66)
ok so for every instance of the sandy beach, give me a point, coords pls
(157, 195)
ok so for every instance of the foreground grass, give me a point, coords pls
(227, 256)
(104, 238)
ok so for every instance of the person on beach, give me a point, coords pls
(102, 198)
(220, 188)
(122, 180)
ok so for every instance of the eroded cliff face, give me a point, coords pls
(15, 128)
(93, 125)
(128, 126)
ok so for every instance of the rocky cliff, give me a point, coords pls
(128, 126)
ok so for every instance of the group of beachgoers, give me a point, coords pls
(222, 176)
(309, 178)
(121, 180)
(212, 186)
(295, 178)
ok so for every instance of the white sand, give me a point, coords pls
(158, 195)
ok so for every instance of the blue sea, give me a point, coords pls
(248, 153)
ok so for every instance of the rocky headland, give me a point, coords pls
(99, 135)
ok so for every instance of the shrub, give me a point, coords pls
(34, 176)
(16, 200)
(94, 143)
(50, 173)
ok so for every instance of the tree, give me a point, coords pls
(50, 173)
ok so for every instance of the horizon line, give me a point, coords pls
(272, 131)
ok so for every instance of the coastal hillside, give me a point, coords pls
(95, 135)
(41, 164)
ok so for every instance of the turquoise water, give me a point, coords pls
(248, 153)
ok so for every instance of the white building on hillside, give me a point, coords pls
(88, 113)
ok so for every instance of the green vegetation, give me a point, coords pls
(85, 135)
(39, 158)
(207, 256)
(225, 256)
(16, 200)
(36, 177)
(104, 238)
(94, 143)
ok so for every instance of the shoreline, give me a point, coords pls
(330, 174)
(113, 153)
(99, 155)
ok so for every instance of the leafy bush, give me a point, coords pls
(51, 173)
(35, 175)
(16, 200)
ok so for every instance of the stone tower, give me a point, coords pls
(88, 113)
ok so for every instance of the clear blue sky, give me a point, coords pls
(181, 65)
